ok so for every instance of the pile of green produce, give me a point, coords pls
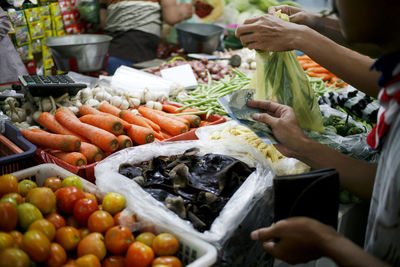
(205, 97)
(342, 127)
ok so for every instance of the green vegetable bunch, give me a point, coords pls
(342, 127)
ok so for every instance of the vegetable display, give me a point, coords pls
(205, 97)
(200, 68)
(195, 187)
(313, 69)
(60, 224)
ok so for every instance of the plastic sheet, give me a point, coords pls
(250, 207)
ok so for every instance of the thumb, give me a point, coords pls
(265, 118)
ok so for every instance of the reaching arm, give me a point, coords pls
(355, 175)
(300, 239)
(174, 13)
(273, 34)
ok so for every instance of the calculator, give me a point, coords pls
(54, 85)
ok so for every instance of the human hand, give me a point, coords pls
(186, 10)
(284, 124)
(295, 240)
(270, 33)
(296, 15)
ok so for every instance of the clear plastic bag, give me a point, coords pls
(280, 78)
(249, 208)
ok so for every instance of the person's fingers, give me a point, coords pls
(252, 20)
(265, 118)
(264, 234)
(248, 38)
(295, 18)
(273, 9)
(269, 247)
(266, 105)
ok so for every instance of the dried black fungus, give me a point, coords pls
(195, 187)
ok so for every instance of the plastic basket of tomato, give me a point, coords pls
(191, 251)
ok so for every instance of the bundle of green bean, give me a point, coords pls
(319, 86)
(204, 98)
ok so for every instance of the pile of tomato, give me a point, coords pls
(59, 224)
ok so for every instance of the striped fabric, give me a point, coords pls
(389, 98)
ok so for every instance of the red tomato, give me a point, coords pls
(114, 261)
(17, 197)
(84, 231)
(14, 257)
(56, 219)
(118, 239)
(165, 244)
(100, 221)
(92, 244)
(17, 236)
(8, 184)
(90, 196)
(8, 215)
(139, 255)
(57, 257)
(6, 240)
(146, 238)
(169, 261)
(66, 198)
(54, 183)
(68, 237)
(37, 245)
(89, 260)
(45, 226)
(83, 208)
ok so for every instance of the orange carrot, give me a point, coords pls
(324, 76)
(108, 108)
(107, 123)
(99, 137)
(166, 135)
(88, 110)
(178, 118)
(55, 141)
(169, 108)
(306, 66)
(194, 120)
(190, 110)
(152, 124)
(73, 158)
(91, 152)
(132, 118)
(124, 141)
(319, 70)
(48, 121)
(140, 135)
(171, 126)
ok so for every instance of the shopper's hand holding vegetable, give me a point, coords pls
(284, 124)
(296, 15)
(268, 32)
(295, 240)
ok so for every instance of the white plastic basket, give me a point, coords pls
(193, 252)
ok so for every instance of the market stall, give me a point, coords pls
(169, 143)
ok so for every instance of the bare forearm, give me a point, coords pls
(103, 17)
(355, 175)
(345, 253)
(350, 66)
(174, 13)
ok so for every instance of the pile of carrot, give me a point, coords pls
(313, 69)
(100, 132)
